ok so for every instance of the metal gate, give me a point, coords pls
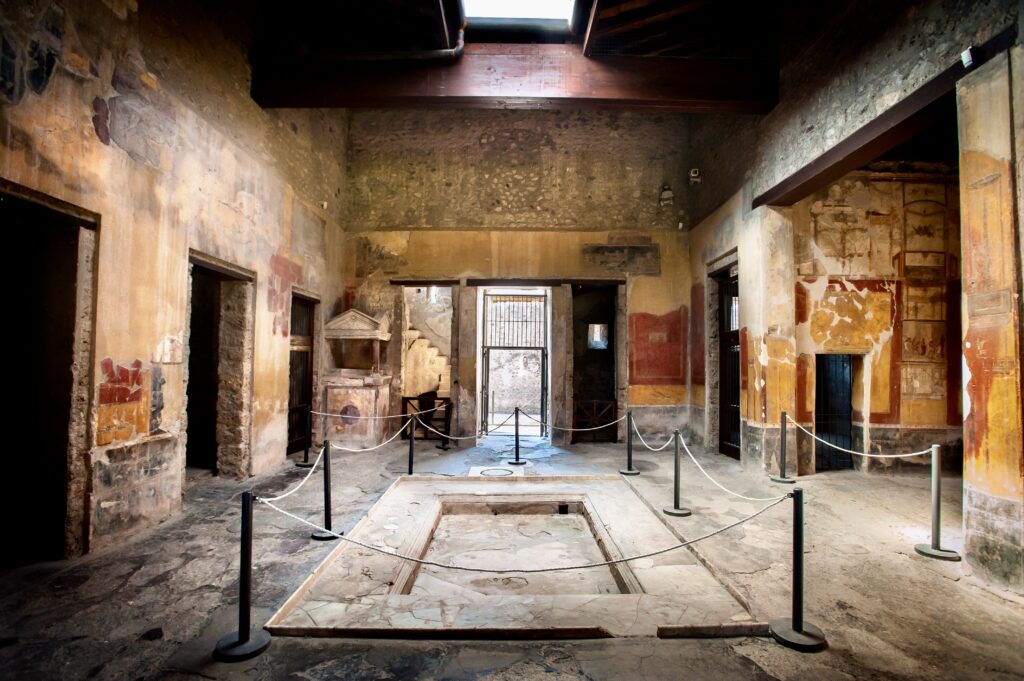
(513, 323)
(833, 411)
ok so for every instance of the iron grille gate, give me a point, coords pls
(514, 322)
(833, 411)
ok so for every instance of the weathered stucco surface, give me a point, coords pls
(654, 301)
(156, 134)
(992, 402)
(530, 194)
(880, 275)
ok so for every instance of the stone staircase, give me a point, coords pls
(424, 363)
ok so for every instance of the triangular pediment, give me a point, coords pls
(355, 325)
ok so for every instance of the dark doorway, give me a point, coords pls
(593, 375)
(300, 375)
(203, 352)
(833, 411)
(729, 363)
(45, 304)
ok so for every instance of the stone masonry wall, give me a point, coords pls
(842, 65)
(523, 170)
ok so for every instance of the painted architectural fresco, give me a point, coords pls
(871, 264)
(877, 263)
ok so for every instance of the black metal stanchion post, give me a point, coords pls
(329, 535)
(412, 442)
(676, 509)
(629, 470)
(935, 550)
(782, 477)
(306, 463)
(247, 642)
(517, 461)
(793, 632)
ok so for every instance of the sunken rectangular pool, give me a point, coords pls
(498, 532)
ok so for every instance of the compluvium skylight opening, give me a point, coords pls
(519, 9)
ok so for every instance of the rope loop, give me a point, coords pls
(850, 451)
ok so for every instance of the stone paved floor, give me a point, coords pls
(153, 607)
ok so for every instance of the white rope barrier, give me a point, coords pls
(850, 451)
(295, 489)
(378, 418)
(489, 432)
(719, 485)
(449, 437)
(520, 571)
(644, 442)
(370, 449)
(574, 430)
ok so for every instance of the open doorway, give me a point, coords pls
(427, 352)
(219, 383)
(514, 360)
(53, 308)
(594, 352)
(724, 347)
(300, 374)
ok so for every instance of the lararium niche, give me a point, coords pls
(354, 386)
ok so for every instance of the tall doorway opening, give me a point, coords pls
(300, 374)
(514, 360)
(728, 298)
(54, 271)
(594, 350)
(218, 387)
(833, 411)
(203, 350)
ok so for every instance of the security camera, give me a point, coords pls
(695, 177)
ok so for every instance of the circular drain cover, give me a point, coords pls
(495, 472)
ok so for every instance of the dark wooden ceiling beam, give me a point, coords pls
(652, 14)
(588, 38)
(649, 44)
(523, 76)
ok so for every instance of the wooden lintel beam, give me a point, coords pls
(523, 76)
